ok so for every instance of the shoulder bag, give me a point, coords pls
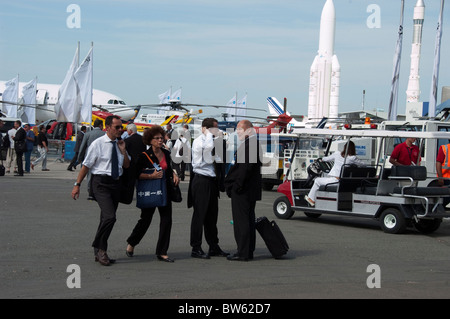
(151, 192)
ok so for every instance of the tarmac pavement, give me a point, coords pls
(46, 237)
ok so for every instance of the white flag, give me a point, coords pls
(393, 102)
(176, 96)
(29, 99)
(11, 94)
(241, 111)
(437, 58)
(164, 98)
(231, 111)
(67, 108)
(83, 77)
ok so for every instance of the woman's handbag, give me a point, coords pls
(175, 192)
(151, 192)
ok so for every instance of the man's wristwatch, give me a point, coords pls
(77, 184)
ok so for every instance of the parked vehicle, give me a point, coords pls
(398, 197)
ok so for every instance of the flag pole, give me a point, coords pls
(92, 81)
(437, 57)
(393, 102)
(78, 65)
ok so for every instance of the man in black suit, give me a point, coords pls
(134, 146)
(20, 146)
(243, 186)
(134, 143)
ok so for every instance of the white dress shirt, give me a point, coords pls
(98, 157)
(202, 160)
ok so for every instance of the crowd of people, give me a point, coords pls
(116, 153)
(19, 141)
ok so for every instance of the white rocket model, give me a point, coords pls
(325, 70)
(413, 90)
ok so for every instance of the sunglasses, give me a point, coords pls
(158, 138)
(118, 127)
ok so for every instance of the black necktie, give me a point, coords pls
(114, 162)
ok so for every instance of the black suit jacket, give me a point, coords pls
(80, 136)
(19, 140)
(134, 146)
(244, 177)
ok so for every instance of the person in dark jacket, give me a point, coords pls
(135, 146)
(243, 186)
(76, 149)
(20, 146)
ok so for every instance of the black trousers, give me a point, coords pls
(243, 211)
(180, 169)
(107, 194)
(206, 210)
(74, 161)
(19, 162)
(165, 228)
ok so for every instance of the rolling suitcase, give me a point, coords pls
(272, 236)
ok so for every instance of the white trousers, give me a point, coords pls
(42, 157)
(319, 181)
(11, 159)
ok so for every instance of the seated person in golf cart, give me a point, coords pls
(347, 157)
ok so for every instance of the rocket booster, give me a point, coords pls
(413, 90)
(325, 70)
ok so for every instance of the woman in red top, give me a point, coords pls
(406, 153)
(154, 136)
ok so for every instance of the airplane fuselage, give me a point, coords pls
(47, 96)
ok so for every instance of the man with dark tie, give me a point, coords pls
(105, 159)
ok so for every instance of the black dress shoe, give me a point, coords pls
(70, 169)
(167, 259)
(199, 254)
(102, 258)
(236, 258)
(129, 253)
(218, 252)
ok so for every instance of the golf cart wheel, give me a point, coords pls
(393, 221)
(427, 226)
(282, 208)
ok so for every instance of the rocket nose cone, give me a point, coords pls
(420, 3)
(328, 10)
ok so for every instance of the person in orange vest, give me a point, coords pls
(443, 168)
(443, 164)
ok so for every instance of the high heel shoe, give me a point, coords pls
(167, 259)
(129, 253)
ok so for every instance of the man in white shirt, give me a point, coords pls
(182, 151)
(105, 159)
(204, 191)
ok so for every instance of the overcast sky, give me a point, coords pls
(215, 48)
